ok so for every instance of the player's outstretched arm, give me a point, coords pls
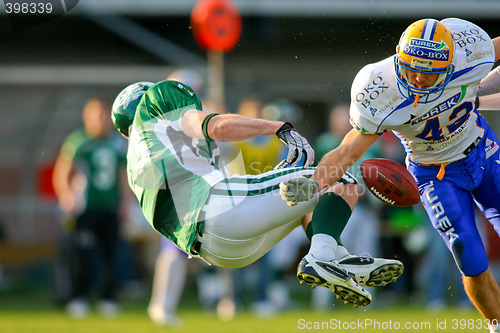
(488, 94)
(496, 44)
(234, 127)
(335, 164)
(489, 102)
(226, 127)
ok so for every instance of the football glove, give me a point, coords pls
(282, 165)
(297, 145)
(298, 189)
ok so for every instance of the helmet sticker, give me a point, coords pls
(427, 49)
(417, 62)
(131, 93)
(180, 86)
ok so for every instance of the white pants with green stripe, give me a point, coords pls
(245, 217)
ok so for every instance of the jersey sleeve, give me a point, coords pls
(360, 107)
(361, 123)
(474, 54)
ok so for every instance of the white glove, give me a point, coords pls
(297, 145)
(298, 189)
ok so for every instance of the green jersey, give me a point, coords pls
(100, 161)
(171, 173)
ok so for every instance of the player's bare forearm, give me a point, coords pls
(334, 164)
(227, 127)
(496, 44)
(489, 102)
(232, 127)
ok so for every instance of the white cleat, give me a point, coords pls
(371, 272)
(328, 274)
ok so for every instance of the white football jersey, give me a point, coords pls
(435, 132)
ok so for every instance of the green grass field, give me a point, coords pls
(29, 314)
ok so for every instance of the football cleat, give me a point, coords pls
(328, 274)
(371, 272)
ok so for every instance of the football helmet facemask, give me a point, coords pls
(125, 104)
(425, 46)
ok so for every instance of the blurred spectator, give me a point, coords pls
(398, 222)
(168, 284)
(262, 154)
(3, 237)
(338, 126)
(88, 179)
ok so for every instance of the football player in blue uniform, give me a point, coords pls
(426, 95)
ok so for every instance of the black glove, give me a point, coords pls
(297, 145)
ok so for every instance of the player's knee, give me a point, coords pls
(469, 259)
(349, 193)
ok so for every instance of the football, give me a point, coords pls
(390, 182)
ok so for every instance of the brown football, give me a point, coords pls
(390, 182)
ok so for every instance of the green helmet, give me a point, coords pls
(125, 104)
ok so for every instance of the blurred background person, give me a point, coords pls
(89, 181)
(261, 154)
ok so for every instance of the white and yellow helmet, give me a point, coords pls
(425, 46)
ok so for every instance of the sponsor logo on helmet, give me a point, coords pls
(130, 94)
(185, 88)
(428, 44)
(427, 49)
(421, 63)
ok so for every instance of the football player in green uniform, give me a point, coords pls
(186, 192)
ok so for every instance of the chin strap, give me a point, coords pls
(417, 99)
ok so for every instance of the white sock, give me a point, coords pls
(493, 329)
(323, 247)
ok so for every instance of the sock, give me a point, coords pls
(330, 216)
(324, 231)
(323, 247)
